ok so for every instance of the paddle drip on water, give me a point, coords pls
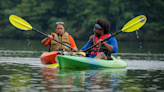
(137, 34)
(28, 39)
(140, 47)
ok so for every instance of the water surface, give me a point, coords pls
(22, 71)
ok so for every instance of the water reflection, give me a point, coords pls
(49, 78)
(144, 81)
(110, 80)
(14, 78)
(82, 80)
(31, 78)
(22, 71)
(19, 80)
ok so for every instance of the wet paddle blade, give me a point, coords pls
(53, 65)
(134, 24)
(19, 23)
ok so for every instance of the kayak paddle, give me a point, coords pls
(24, 25)
(53, 65)
(133, 25)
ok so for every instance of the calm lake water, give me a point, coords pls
(22, 71)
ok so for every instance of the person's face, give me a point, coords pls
(59, 29)
(97, 31)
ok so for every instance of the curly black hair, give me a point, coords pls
(104, 24)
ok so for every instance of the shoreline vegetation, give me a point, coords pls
(79, 17)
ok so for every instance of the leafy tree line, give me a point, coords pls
(79, 17)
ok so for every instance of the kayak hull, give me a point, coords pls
(49, 57)
(87, 62)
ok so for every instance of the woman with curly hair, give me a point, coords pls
(104, 49)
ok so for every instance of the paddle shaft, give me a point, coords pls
(103, 41)
(47, 36)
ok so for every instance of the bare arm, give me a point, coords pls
(73, 44)
(108, 46)
(43, 42)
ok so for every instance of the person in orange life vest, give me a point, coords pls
(62, 36)
(102, 50)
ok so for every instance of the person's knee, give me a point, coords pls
(101, 53)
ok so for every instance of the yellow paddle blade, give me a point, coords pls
(53, 65)
(82, 54)
(19, 22)
(134, 24)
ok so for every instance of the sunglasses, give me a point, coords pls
(60, 23)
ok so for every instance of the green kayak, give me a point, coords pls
(77, 62)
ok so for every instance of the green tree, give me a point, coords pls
(79, 17)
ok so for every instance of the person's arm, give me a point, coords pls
(111, 44)
(73, 44)
(112, 41)
(44, 41)
(86, 45)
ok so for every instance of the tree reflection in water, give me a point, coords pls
(82, 80)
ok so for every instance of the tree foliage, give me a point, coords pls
(79, 17)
